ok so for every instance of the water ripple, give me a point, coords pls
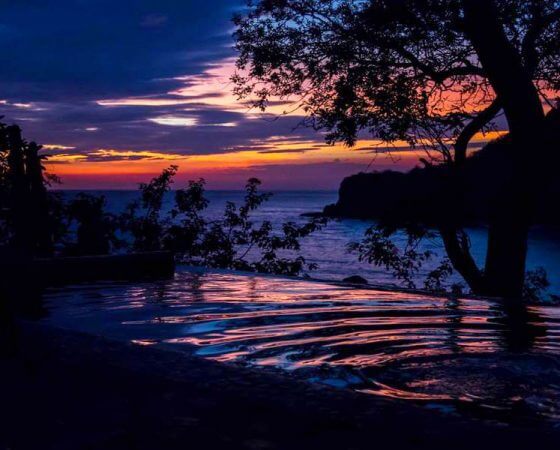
(473, 354)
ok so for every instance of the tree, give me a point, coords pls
(26, 221)
(96, 229)
(234, 241)
(433, 73)
(147, 229)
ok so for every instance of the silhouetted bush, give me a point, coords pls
(143, 220)
(235, 241)
(29, 220)
(37, 222)
(96, 230)
(379, 247)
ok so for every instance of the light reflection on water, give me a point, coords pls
(473, 354)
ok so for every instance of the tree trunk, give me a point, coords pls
(19, 191)
(461, 258)
(42, 236)
(507, 246)
(507, 250)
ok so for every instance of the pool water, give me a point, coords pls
(464, 356)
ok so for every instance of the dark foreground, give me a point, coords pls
(63, 390)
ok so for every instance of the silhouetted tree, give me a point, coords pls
(34, 221)
(239, 242)
(187, 223)
(28, 225)
(234, 241)
(96, 232)
(39, 200)
(143, 219)
(19, 195)
(432, 73)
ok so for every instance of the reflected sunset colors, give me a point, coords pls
(471, 355)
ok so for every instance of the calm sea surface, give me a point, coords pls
(328, 247)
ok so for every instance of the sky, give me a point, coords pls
(116, 91)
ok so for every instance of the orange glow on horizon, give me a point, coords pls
(274, 152)
(212, 89)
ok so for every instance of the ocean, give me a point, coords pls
(328, 247)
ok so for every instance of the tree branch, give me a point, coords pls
(540, 24)
(438, 76)
(457, 249)
(473, 127)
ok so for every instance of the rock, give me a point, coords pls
(313, 215)
(355, 279)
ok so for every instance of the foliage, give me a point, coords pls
(235, 241)
(96, 229)
(435, 279)
(37, 222)
(536, 284)
(143, 220)
(187, 224)
(59, 219)
(28, 219)
(402, 70)
(404, 262)
(431, 73)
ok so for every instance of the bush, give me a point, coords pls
(235, 241)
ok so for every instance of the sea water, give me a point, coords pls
(328, 248)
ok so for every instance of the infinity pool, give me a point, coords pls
(464, 356)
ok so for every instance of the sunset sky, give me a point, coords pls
(116, 91)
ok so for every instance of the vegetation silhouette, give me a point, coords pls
(37, 222)
(234, 241)
(433, 74)
(27, 224)
(96, 229)
(418, 195)
(413, 201)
